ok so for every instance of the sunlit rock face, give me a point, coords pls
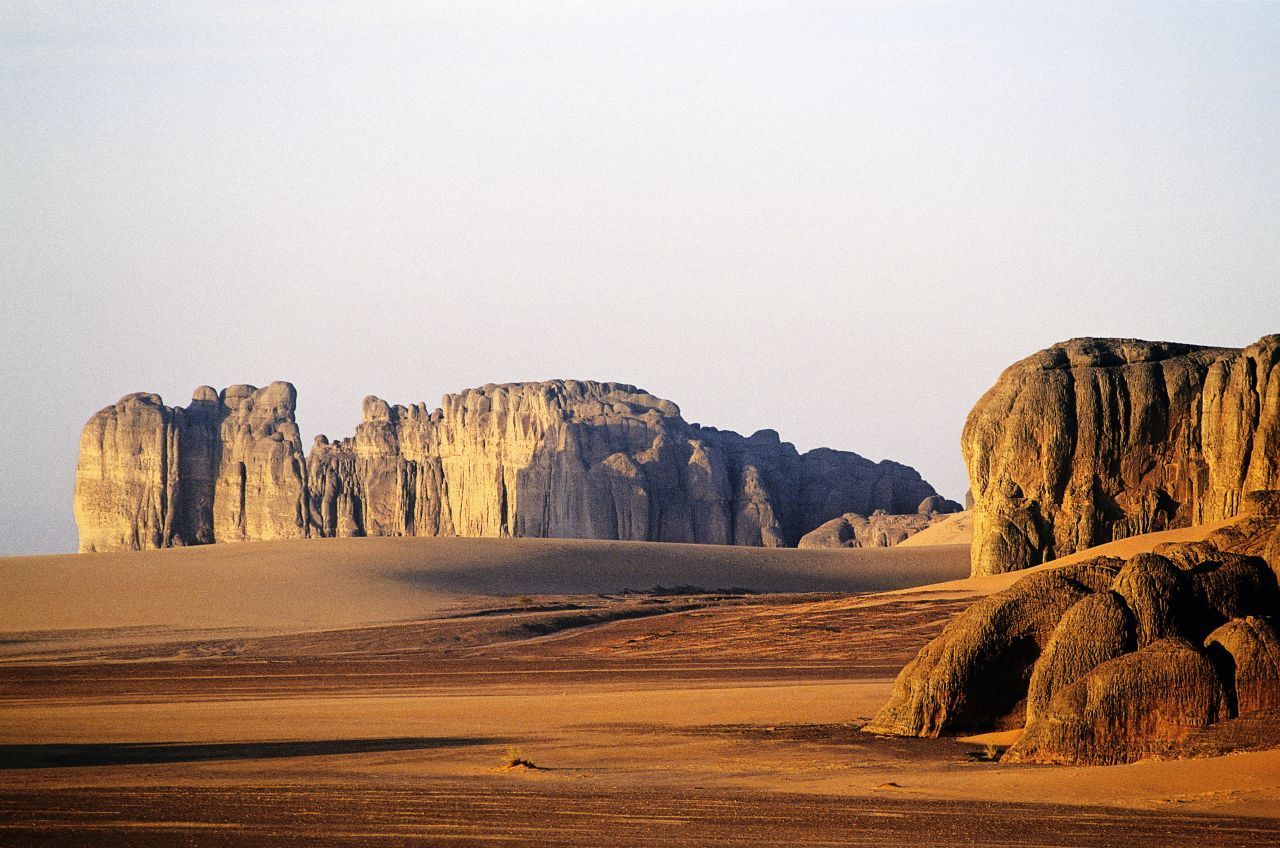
(572, 459)
(229, 467)
(1093, 440)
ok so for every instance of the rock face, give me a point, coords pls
(556, 459)
(228, 467)
(1093, 440)
(1106, 662)
(1096, 629)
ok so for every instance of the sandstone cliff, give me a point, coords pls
(1093, 440)
(557, 459)
(229, 467)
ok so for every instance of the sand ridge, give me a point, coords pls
(955, 529)
(1121, 548)
(314, 583)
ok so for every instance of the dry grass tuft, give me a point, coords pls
(514, 758)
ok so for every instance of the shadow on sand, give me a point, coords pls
(143, 753)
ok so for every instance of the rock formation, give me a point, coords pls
(557, 459)
(1137, 705)
(879, 529)
(229, 467)
(974, 675)
(1108, 662)
(1093, 440)
(1248, 652)
(1096, 629)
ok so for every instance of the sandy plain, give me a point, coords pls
(372, 692)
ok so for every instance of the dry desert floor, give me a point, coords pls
(377, 692)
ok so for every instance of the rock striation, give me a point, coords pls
(1107, 661)
(1094, 440)
(1138, 705)
(570, 459)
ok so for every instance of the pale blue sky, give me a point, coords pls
(838, 220)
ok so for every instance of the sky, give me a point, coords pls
(838, 220)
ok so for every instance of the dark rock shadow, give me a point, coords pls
(69, 755)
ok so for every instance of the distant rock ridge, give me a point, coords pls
(564, 458)
(880, 529)
(1093, 440)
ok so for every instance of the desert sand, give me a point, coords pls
(341, 582)
(955, 529)
(372, 691)
(987, 584)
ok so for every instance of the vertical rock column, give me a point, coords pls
(1240, 429)
(125, 476)
(260, 490)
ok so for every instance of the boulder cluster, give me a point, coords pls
(566, 458)
(1109, 661)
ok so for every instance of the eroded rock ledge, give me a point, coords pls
(564, 458)
(1094, 440)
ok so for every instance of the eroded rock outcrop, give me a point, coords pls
(1256, 532)
(1106, 662)
(1247, 652)
(1096, 629)
(1134, 706)
(557, 459)
(974, 675)
(228, 467)
(1093, 440)
(879, 529)
(1154, 593)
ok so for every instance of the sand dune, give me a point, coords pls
(343, 582)
(955, 529)
(1122, 548)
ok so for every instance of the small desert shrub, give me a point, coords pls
(514, 758)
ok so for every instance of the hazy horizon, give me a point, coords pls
(837, 221)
